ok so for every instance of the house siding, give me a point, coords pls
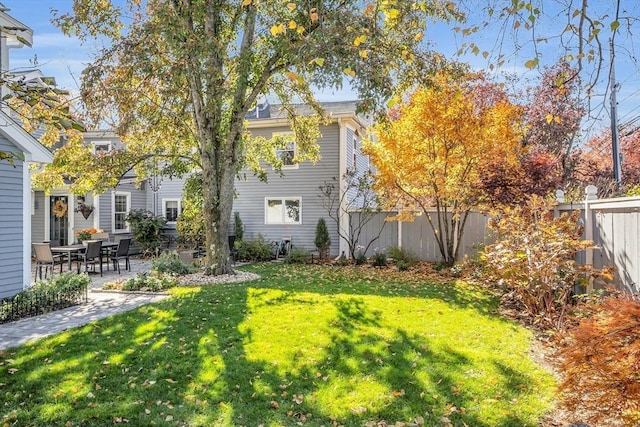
(302, 183)
(11, 224)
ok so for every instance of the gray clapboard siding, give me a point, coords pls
(11, 224)
(303, 182)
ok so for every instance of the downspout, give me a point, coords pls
(343, 215)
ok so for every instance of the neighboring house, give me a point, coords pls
(109, 208)
(285, 206)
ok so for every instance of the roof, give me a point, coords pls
(15, 31)
(267, 114)
(27, 144)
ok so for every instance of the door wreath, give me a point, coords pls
(59, 208)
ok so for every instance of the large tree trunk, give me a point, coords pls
(217, 192)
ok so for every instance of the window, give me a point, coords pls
(355, 152)
(280, 210)
(121, 207)
(101, 147)
(288, 152)
(171, 208)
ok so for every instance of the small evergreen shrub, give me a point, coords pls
(254, 250)
(361, 258)
(149, 282)
(402, 256)
(297, 256)
(379, 259)
(170, 262)
(456, 270)
(322, 241)
(59, 292)
(238, 229)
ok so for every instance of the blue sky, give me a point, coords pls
(64, 58)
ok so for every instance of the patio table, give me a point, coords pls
(77, 248)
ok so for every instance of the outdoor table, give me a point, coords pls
(77, 248)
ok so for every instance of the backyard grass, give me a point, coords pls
(304, 345)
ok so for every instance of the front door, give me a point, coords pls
(59, 221)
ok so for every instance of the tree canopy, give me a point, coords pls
(433, 151)
(178, 77)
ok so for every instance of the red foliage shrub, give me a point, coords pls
(601, 363)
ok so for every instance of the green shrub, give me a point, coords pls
(297, 256)
(170, 262)
(190, 222)
(254, 250)
(322, 241)
(151, 282)
(456, 270)
(147, 230)
(379, 259)
(439, 266)
(59, 292)
(238, 229)
(361, 258)
(402, 256)
(342, 260)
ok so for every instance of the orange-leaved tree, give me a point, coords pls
(430, 154)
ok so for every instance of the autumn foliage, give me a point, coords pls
(534, 260)
(602, 363)
(432, 151)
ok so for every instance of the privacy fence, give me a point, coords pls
(612, 224)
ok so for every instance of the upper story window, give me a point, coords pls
(121, 208)
(283, 210)
(101, 146)
(171, 208)
(287, 153)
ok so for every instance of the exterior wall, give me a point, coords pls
(11, 225)
(37, 218)
(302, 182)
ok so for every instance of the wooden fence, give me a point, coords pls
(612, 224)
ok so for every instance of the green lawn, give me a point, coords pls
(305, 345)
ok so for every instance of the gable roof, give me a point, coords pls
(33, 150)
(13, 30)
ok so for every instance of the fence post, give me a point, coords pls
(590, 193)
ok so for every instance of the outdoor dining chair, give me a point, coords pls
(120, 253)
(45, 258)
(91, 255)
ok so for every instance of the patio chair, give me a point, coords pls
(45, 258)
(91, 255)
(120, 253)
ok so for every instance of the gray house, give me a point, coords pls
(286, 206)
(16, 205)
(15, 180)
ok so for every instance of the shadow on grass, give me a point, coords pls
(185, 361)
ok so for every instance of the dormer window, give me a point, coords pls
(101, 147)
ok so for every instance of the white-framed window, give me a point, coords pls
(283, 210)
(121, 208)
(101, 146)
(171, 209)
(288, 152)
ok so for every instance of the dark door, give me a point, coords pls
(59, 221)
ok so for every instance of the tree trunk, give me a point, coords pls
(217, 193)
